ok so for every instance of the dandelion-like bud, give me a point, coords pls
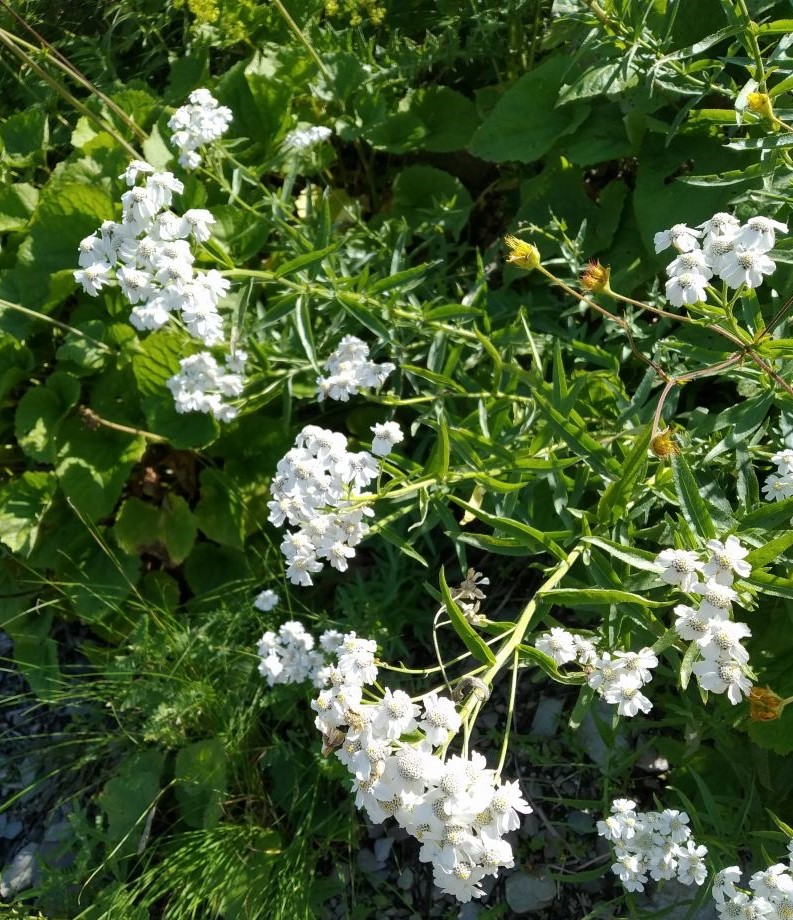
(664, 444)
(760, 104)
(524, 255)
(764, 704)
(596, 278)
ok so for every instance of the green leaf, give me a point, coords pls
(431, 201)
(571, 429)
(168, 531)
(638, 558)
(692, 504)
(692, 655)
(522, 531)
(35, 652)
(776, 735)
(304, 260)
(128, 797)
(620, 493)
(582, 704)
(438, 463)
(525, 123)
(220, 510)
(449, 117)
(23, 503)
(770, 551)
(17, 203)
(24, 136)
(547, 664)
(597, 597)
(40, 413)
(472, 641)
(769, 516)
(200, 782)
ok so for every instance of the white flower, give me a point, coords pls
(747, 267)
(266, 600)
(462, 881)
(625, 694)
(199, 122)
(605, 671)
(680, 567)
(724, 883)
(726, 559)
(722, 640)
(440, 718)
(691, 868)
(386, 436)
(304, 138)
(630, 871)
(680, 236)
(506, 803)
(93, 277)
(777, 486)
(717, 599)
(673, 824)
(783, 460)
(759, 233)
(693, 262)
(557, 644)
(686, 288)
(773, 881)
(395, 715)
(639, 663)
(350, 371)
(720, 225)
(585, 650)
(723, 676)
(130, 174)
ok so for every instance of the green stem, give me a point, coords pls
(299, 35)
(510, 646)
(510, 710)
(6, 304)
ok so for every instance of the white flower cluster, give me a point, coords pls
(266, 600)
(202, 384)
(305, 138)
(199, 122)
(654, 843)
(618, 677)
(720, 246)
(724, 661)
(455, 808)
(314, 490)
(779, 485)
(289, 656)
(770, 896)
(149, 256)
(350, 371)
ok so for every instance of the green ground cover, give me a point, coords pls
(485, 234)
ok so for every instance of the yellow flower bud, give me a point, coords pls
(524, 255)
(665, 444)
(761, 104)
(596, 278)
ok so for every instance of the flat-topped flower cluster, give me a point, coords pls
(723, 663)
(617, 676)
(318, 489)
(290, 657)
(657, 844)
(196, 124)
(149, 256)
(349, 371)
(721, 246)
(456, 808)
(769, 896)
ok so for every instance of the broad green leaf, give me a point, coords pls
(200, 782)
(35, 652)
(472, 641)
(775, 585)
(24, 135)
(692, 504)
(40, 412)
(167, 532)
(769, 516)
(449, 117)
(23, 503)
(776, 735)
(220, 510)
(17, 203)
(525, 123)
(128, 797)
(770, 551)
(431, 201)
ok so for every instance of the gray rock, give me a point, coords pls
(470, 911)
(526, 893)
(406, 879)
(382, 848)
(675, 899)
(10, 829)
(546, 717)
(367, 861)
(591, 740)
(21, 872)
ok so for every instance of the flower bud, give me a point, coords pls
(524, 255)
(764, 704)
(665, 445)
(596, 278)
(760, 103)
